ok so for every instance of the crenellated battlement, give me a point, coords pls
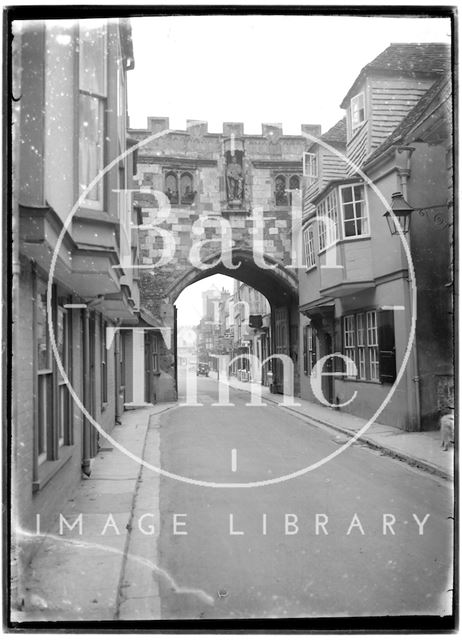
(198, 128)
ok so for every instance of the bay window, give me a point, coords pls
(327, 216)
(348, 204)
(354, 211)
(92, 104)
(308, 238)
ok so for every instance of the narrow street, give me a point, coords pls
(290, 572)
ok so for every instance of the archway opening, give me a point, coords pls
(232, 327)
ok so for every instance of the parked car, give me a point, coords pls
(203, 369)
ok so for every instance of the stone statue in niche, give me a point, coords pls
(234, 177)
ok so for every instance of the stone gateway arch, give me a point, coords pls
(219, 203)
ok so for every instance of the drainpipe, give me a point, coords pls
(403, 162)
(86, 458)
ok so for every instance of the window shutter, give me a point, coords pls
(387, 351)
(305, 349)
(313, 352)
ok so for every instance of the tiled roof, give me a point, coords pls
(411, 119)
(408, 59)
(337, 133)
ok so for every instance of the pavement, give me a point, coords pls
(106, 570)
(420, 449)
(126, 565)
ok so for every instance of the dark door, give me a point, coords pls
(281, 346)
(327, 381)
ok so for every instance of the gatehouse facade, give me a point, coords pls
(224, 203)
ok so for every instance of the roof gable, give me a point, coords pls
(336, 135)
(428, 58)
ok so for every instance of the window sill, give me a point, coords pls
(49, 468)
(181, 205)
(94, 215)
(330, 246)
(354, 239)
(344, 241)
(313, 266)
(345, 379)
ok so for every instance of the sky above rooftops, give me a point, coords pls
(254, 69)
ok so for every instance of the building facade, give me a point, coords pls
(72, 295)
(251, 334)
(357, 292)
(231, 195)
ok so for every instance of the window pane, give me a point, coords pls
(60, 337)
(280, 191)
(347, 194)
(43, 338)
(92, 68)
(355, 218)
(294, 182)
(91, 145)
(186, 187)
(44, 414)
(350, 229)
(63, 416)
(348, 212)
(171, 187)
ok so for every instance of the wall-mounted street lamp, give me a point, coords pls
(402, 211)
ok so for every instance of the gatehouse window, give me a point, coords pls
(171, 187)
(280, 194)
(186, 188)
(179, 187)
(284, 184)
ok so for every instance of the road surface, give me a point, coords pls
(347, 539)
